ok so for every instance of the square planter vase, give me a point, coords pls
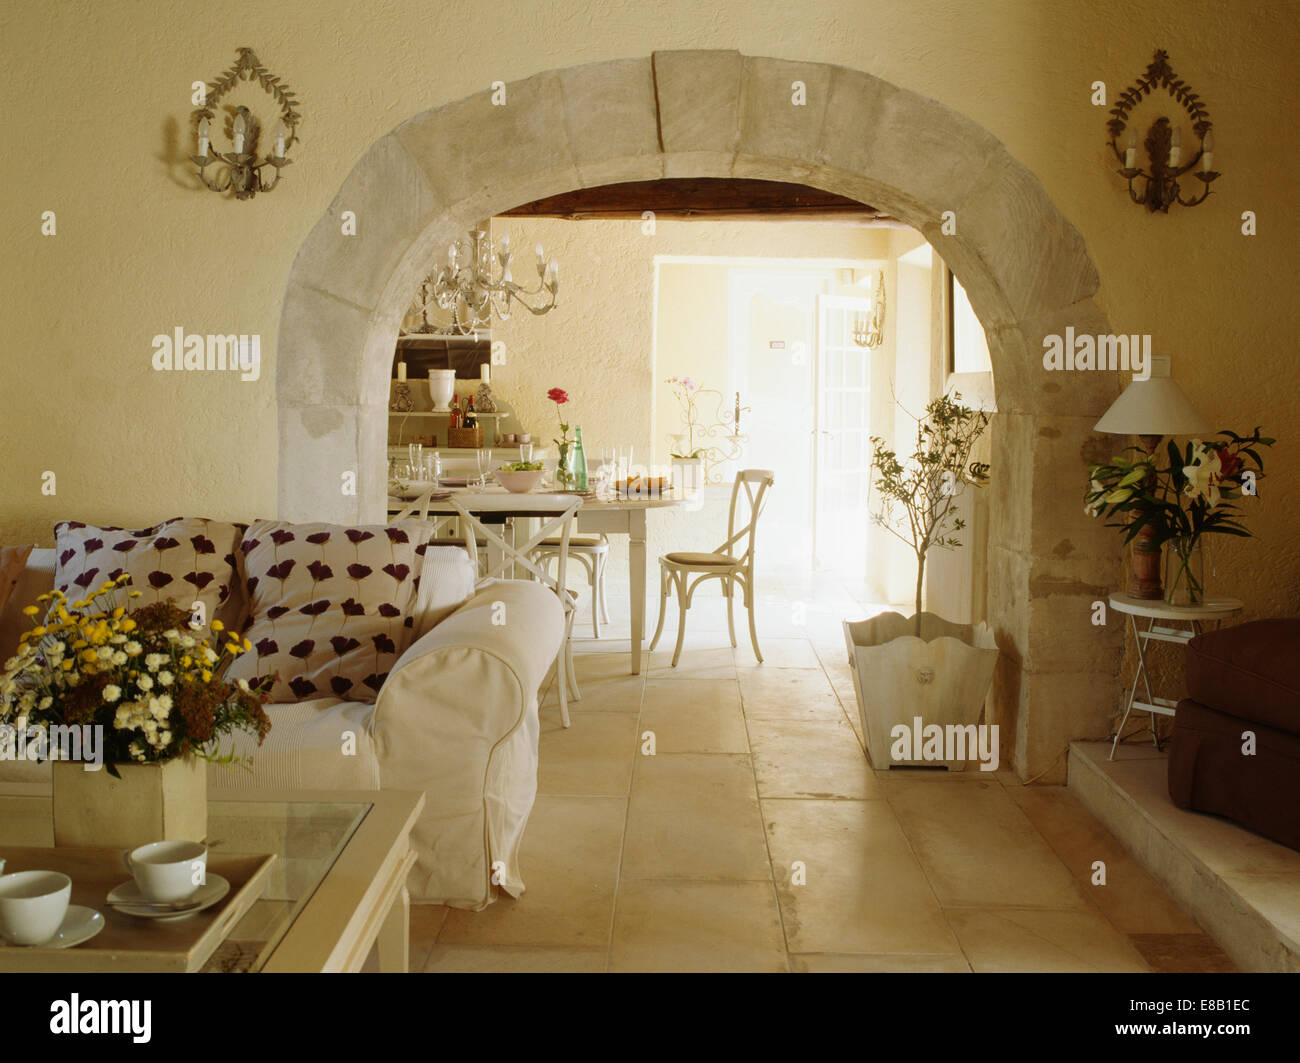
(940, 678)
(165, 801)
(688, 475)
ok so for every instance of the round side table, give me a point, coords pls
(1160, 617)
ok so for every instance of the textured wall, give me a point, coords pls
(97, 96)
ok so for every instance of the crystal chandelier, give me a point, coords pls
(476, 284)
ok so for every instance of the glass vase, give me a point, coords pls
(564, 471)
(1184, 572)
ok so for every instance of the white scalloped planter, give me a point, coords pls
(943, 677)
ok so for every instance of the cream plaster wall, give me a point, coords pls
(96, 100)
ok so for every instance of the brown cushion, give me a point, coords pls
(719, 560)
(585, 542)
(1249, 671)
(1210, 772)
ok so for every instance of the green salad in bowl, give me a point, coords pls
(522, 466)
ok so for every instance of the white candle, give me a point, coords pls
(1176, 148)
(485, 373)
(1207, 154)
(279, 140)
(401, 370)
(1130, 153)
(204, 128)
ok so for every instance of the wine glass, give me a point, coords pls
(415, 457)
(525, 452)
(484, 458)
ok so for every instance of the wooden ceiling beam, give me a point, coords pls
(700, 198)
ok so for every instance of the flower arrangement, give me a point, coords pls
(157, 691)
(564, 468)
(684, 388)
(1190, 497)
(926, 485)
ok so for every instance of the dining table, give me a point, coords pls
(614, 514)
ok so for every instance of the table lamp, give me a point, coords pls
(1151, 409)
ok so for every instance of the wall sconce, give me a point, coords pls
(1164, 142)
(243, 171)
(869, 331)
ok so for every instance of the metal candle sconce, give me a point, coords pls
(1163, 144)
(243, 171)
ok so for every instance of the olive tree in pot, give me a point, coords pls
(921, 680)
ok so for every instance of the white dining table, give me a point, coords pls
(611, 516)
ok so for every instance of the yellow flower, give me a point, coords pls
(127, 625)
(31, 610)
(217, 625)
(43, 597)
(118, 613)
(206, 676)
(186, 662)
(135, 594)
(66, 664)
(38, 631)
(248, 645)
(79, 644)
(232, 647)
(125, 577)
(89, 655)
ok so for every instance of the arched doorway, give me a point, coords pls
(721, 114)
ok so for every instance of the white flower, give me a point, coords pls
(46, 702)
(136, 750)
(132, 648)
(122, 717)
(119, 658)
(171, 634)
(28, 701)
(144, 683)
(105, 653)
(210, 655)
(112, 692)
(154, 661)
(117, 640)
(243, 685)
(187, 641)
(165, 738)
(165, 678)
(1204, 473)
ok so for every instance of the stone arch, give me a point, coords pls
(722, 114)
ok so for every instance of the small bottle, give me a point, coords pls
(457, 420)
(471, 419)
(579, 461)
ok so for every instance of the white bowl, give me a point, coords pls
(519, 483)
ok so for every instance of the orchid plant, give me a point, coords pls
(684, 388)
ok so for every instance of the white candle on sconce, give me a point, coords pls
(241, 128)
(1176, 148)
(205, 127)
(1207, 154)
(1130, 153)
(485, 373)
(401, 371)
(280, 134)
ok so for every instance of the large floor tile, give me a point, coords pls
(777, 652)
(1183, 953)
(864, 891)
(697, 926)
(713, 662)
(570, 866)
(788, 694)
(810, 758)
(703, 718)
(694, 816)
(593, 756)
(1042, 940)
(1131, 899)
(977, 847)
(512, 959)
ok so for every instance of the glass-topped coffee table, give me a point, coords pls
(335, 890)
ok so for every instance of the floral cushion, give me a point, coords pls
(186, 560)
(330, 607)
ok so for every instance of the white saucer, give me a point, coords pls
(127, 898)
(79, 924)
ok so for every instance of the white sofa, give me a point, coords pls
(456, 718)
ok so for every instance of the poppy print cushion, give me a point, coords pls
(189, 561)
(329, 605)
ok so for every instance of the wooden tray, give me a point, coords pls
(128, 943)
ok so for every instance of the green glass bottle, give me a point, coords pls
(579, 461)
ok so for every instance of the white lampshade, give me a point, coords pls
(1156, 406)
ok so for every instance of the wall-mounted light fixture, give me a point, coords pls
(1164, 141)
(241, 169)
(869, 329)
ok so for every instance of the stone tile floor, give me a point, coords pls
(757, 837)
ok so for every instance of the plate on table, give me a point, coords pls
(643, 486)
(128, 899)
(79, 925)
(455, 481)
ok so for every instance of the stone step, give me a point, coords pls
(1242, 888)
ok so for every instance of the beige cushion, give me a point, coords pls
(185, 560)
(711, 560)
(330, 606)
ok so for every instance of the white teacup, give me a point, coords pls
(32, 905)
(168, 871)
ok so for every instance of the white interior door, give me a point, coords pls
(842, 433)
